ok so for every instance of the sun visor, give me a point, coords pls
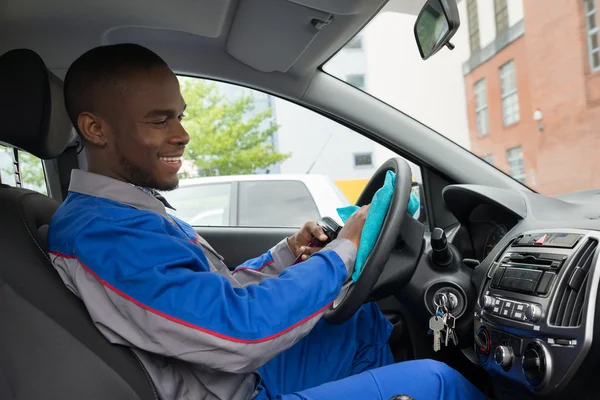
(270, 35)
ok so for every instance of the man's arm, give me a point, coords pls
(280, 256)
(270, 264)
(156, 292)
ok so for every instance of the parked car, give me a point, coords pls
(256, 200)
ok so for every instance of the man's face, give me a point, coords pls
(145, 139)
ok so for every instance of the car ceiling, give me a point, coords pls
(268, 44)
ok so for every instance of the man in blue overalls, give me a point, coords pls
(151, 283)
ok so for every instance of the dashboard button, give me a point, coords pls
(506, 312)
(534, 313)
(496, 310)
(498, 302)
(520, 307)
(545, 282)
(518, 315)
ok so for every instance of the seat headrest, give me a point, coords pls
(31, 106)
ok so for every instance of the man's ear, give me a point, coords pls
(92, 128)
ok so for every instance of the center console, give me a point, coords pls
(535, 314)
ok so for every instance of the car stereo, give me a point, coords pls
(534, 319)
(527, 272)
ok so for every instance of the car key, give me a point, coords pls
(450, 323)
(331, 230)
(448, 329)
(436, 324)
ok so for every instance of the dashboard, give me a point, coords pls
(536, 284)
(488, 225)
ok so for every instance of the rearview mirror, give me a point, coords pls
(436, 24)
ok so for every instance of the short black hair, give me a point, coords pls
(99, 69)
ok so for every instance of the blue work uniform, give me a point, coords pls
(202, 332)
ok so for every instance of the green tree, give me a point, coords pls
(226, 137)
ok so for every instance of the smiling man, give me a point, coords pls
(150, 283)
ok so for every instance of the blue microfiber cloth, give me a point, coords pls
(379, 206)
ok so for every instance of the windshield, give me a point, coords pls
(520, 90)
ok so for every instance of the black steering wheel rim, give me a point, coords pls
(354, 294)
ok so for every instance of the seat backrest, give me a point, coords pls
(49, 347)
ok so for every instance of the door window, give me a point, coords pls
(202, 204)
(303, 165)
(276, 203)
(32, 170)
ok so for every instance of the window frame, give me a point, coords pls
(501, 16)
(522, 177)
(473, 22)
(513, 93)
(480, 92)
(590, 33)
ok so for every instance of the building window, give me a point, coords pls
(516, 166)
(355, 43)
(473, 25)
(363, 159)
(591, 22)
(510, 96)
(357, 80)
(501, 14)
(488, 158)
(481, 108)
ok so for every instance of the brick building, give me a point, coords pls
(546, 58)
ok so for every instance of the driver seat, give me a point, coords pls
(49, 347)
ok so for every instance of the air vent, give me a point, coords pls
(568, 302)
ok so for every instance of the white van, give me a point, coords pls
(256, 200)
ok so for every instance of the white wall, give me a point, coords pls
(312, 138)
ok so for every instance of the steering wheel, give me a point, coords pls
(354, 294)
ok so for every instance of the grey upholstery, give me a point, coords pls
(49, 348)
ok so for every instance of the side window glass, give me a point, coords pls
(31, 167)
(202, 204)
(7, 171)
(276, 204)
(288, 164)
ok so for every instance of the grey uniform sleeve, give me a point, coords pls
(280, 257)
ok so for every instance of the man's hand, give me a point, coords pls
(354, 226)
(299, 242)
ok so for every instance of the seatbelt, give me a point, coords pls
(65, 163)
